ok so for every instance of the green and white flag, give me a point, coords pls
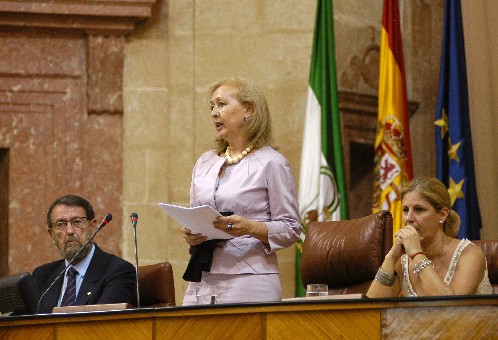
(322, 185)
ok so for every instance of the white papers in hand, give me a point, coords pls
(198, 219)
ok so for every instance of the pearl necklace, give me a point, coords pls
(236, 159)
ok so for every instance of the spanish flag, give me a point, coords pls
(393, 160)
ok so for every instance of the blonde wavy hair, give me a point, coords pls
(258, 130)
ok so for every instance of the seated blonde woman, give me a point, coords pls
(426, 259)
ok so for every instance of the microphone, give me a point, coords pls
(104, 222)
(134, 220)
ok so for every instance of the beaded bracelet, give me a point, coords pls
(421, 265)
(385, 278)
(386, 274)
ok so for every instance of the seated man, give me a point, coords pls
(94, 276)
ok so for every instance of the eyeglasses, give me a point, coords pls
(77, 223)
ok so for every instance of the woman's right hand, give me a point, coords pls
(396, 250)
(193, 239)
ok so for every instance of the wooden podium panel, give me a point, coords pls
(105, 330)
(345, 324)
(244, 326)
(396, 318)
(38, 332)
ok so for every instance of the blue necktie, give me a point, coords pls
(69, 297)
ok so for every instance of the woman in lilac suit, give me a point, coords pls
(245, 175)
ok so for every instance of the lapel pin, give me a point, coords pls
(89, 293)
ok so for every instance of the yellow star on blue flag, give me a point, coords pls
(453, 150)
(455, 190)
(442, 123)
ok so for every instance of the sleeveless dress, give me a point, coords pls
(406, 286)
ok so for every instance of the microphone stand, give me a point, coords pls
(106, 220)
(134, 220)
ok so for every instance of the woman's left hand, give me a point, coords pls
(238, 226)
(410, 239)
(234, 225)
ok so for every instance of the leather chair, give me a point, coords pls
(346, 255)
(157, 286)
(490, 249)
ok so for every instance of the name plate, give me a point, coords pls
(327, 297)
(92, 308)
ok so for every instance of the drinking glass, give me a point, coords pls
(317, 289)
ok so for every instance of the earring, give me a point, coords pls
(441, 222)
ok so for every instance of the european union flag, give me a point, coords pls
(455, 162)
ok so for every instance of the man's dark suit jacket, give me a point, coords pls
(108, 279)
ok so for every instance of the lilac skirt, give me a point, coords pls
(229, 288)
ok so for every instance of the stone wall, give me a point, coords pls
(171, 61)
(61, 68)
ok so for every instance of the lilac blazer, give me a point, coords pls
(260, 187)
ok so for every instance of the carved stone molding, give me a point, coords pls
(359, 130)
(362, 68)
(104, 23)
(93, 16)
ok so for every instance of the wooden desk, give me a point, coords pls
(420, 318)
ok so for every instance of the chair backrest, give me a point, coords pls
(157, 286)
(346, 255)
(490, 249)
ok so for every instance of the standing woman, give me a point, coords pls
(244, 174)
(426, 258)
